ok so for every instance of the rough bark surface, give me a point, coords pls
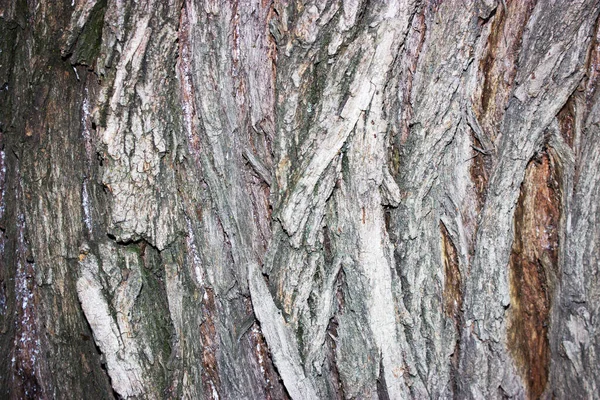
(267, 199)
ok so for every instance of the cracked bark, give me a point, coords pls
(275, 199)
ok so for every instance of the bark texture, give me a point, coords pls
(254, 199)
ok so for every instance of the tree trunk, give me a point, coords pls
(212, 199)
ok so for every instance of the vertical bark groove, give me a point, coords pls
(533, 271)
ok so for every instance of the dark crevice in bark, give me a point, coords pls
(452, 277)
(566, 121)
(498, 66)
(91, 188)
(489, 59)
(453, 299)
(332, 338)
(87, 335)
(382, 392)
(407, 296)
(341, 290)
(412, 51)
(4, 298)
(327, 253)
(84, 46)
(330, 359)
(484, 19)
(9, 310)
(111, 392)
(273, 385)
(589, 87)
(26, 353)
(592, 67)
(187, 89)
(533, 268)
(481, 167)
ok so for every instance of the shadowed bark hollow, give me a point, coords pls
(268, 199)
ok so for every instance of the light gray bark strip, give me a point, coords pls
(280, 338)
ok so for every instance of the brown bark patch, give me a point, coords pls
(533, 265)
(452, 286)
(498, 65)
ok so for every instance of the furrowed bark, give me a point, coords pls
(317, 199)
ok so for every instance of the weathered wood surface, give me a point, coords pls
(321, 199)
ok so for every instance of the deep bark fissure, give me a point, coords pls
(533, 266)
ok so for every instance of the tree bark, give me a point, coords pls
(210, 199)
